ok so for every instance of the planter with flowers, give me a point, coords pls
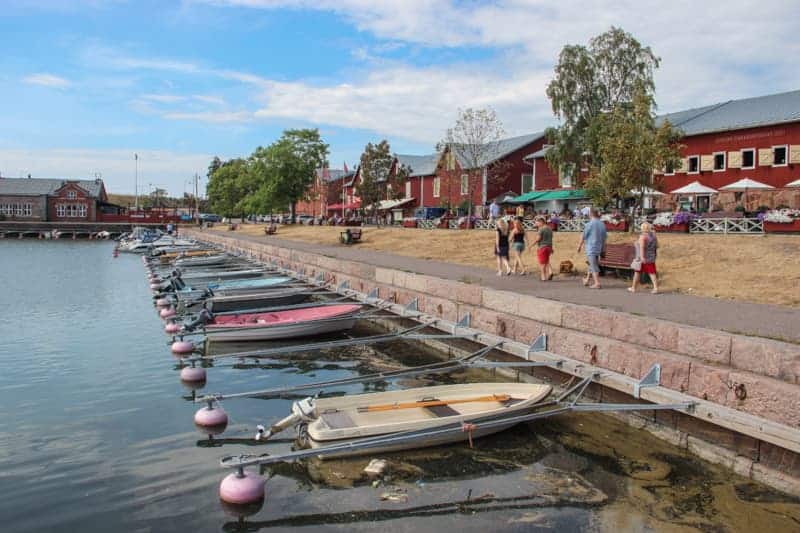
(673, 222)
(409, 222)
(614, 223)
(781, 221)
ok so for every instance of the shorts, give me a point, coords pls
(594, 263)
(518, 247)
(543, 254)
(502, 251)
(648, 268)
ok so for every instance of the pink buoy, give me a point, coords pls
(242, 488)
(163, 302)
(210, 417)
(167, 312)
(182, 347)
(155, 286)
(193, 374)
(172, 328)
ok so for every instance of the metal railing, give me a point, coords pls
(426, 224)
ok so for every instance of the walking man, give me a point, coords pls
(594, 237)
(494, 211)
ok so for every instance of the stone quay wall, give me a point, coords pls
(752, 378)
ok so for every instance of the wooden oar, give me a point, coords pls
(432, 403)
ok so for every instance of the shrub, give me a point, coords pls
(739, 209)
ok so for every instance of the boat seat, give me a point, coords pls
(338, 420)
(442, 410)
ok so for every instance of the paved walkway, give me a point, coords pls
(777, 322)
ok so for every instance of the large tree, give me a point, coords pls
(285, 170)
(589, 83)
(376, 164)
(226, 187)
(472, 145)
(631, 145)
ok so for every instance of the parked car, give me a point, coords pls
(429, 213)
(209, 217)
(305, 219)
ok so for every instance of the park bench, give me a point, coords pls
(350, 236)
(618, 258)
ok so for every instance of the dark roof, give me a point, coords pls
(738, 114)
(503, 147)
(420, 165)
(334, 174)
(42, 186)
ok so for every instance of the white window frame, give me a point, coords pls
(714, 162)
(61, 210)
(408, 188)
(785, 158)
(522, 182)
(566, 175)
(82, 211)
(28, 210)
(755, 156)
(437, 186)
(669, 173)
(72, 195)
(689, 164)
(464, 184)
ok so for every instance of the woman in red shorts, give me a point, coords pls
(646, 252)
(544, 242)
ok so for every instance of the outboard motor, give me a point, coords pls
(302, 411)
(205, 317)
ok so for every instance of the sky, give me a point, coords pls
(86, 84)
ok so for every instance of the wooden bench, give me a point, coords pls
(618, 257)
(350, 236)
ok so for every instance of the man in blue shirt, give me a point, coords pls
(594, 237)
(494, 211)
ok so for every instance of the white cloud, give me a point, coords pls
(215, 117)
(210, 99)
(163, 98)
(164, 168)
(47, 80)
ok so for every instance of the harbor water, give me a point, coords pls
(97, 435)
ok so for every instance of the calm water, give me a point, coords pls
(97, 435)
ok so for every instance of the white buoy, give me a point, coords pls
(167, 312)
(193, 374)
(210, 416)
(172, 328)
(180, 347)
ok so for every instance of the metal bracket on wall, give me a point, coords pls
(465, 321)
(344, 285)
(651, 379)
(539, 345)
(413, 306)
(321, 277)
(373, 294)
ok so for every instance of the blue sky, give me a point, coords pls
(88, 83)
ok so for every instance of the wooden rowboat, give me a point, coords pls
(288, 324)
(382, 413)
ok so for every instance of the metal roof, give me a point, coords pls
(334, 174)
(738, 114)
(45, 186)
(420, 165)
(502, 148)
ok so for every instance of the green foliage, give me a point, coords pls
(589, 83)
(271, 178)
(630, 145)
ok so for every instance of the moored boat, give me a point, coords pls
(287, 324)
(256, 299)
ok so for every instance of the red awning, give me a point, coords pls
(353, 205)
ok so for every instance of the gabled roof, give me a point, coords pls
(503, 147)
(41, 186)
(738, 114)
(420, 165)
(334, 174)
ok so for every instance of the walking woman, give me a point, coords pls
(646, 251)
(501, 247)
(517, 236)
(544, 244)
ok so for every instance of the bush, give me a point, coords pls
(782, 206)
(763, 208)
(739, 209)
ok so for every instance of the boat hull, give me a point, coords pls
(259, 300)
(277, 332)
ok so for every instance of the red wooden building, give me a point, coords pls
(52, 200)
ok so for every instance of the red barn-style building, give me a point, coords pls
(54, 200)
(756, 138)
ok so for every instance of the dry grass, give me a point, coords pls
(763, 269)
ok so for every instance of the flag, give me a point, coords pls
(345, 167)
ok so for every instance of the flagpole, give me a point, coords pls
(136, 180)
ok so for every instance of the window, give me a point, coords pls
(408, 189)
(464, 184)
(669, 169)
(71, 195)
(565, 174)
(749, 158)
(18, 210)
(719, 161)
(527, 183)
(779, 155)
(436, 183)
(694, 164)
(28, 210)
(61, 210)
(82, 210)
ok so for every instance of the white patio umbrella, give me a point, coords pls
(795, 183)
(694, 187)
(746, 184)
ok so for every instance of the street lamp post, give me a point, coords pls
(136, 180)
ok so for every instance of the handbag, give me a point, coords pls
(636, 264)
